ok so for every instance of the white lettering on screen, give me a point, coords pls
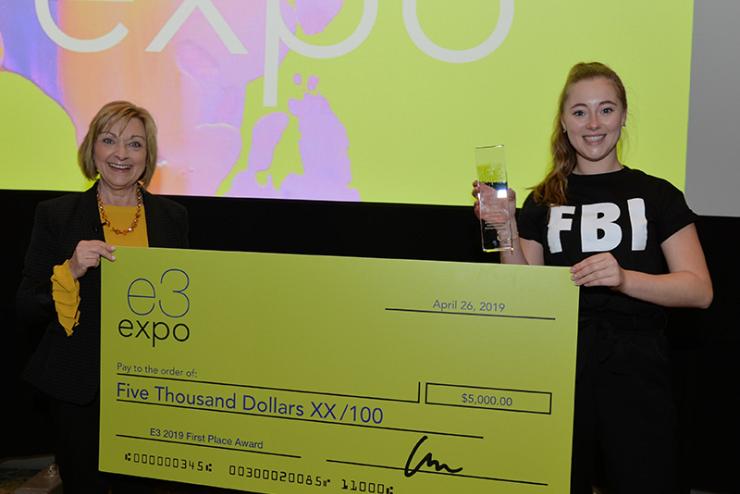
(276, 32)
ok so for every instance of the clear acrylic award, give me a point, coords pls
(493, 198)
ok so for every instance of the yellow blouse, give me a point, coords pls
(65, 290)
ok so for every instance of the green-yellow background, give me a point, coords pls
(413, 121)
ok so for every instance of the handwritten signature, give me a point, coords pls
(428, 461)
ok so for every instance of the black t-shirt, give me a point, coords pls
(627, 213)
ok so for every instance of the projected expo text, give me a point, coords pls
(276, 31)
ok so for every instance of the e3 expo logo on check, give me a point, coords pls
(168, 299)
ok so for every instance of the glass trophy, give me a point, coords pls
(493, 198)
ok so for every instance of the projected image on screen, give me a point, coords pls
(367, 100)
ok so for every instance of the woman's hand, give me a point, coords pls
(87, 255)
(476, 195)
(598, 270)
(496, 211)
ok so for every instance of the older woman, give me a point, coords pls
(61, 280)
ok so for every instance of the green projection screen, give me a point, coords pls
(361, 100)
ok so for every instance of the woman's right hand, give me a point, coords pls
(496, 211)
(87, 255)
(476, 194)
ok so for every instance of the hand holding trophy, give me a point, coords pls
(494, 199)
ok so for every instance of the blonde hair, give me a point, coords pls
(552, 189)
(109, 115)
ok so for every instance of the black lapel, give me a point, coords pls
(155, 229)
(89, 216)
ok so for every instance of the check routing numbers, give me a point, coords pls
(197, 391)
(361, 411)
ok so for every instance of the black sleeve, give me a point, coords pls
(674, 212)
(34, 303)
(531, 220)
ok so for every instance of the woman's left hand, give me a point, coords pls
(598, 270)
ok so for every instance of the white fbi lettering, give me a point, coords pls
(599, 230)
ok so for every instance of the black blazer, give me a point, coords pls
(68, 367)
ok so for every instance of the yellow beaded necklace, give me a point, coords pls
(134, 224)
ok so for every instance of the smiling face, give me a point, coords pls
(119, 154)
(593, 116)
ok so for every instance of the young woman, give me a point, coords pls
(631, 245)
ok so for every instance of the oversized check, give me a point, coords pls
(282, 373)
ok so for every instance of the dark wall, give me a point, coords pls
(705, 343)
